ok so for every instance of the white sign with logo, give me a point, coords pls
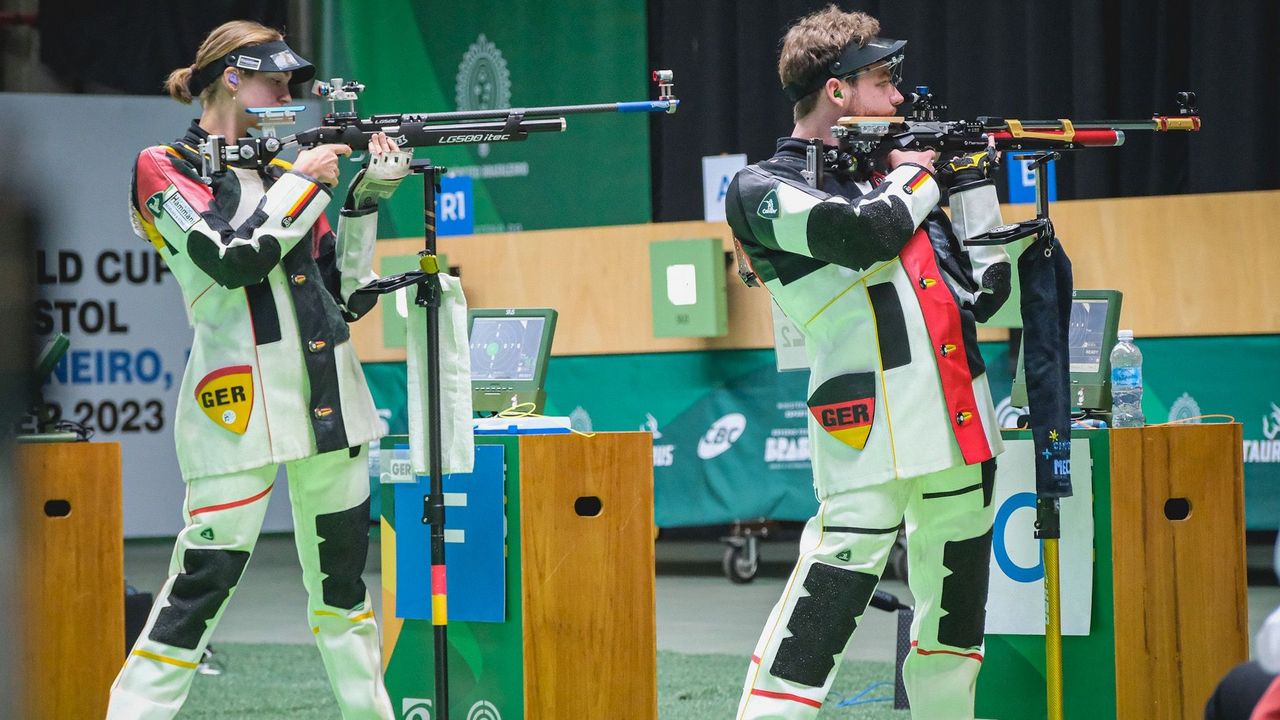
(1015, 601)
(717, 172)
(788, 341)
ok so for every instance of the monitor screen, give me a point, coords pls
(505, 348)
(1087, 334)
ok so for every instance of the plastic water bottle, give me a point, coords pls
(1126, 383)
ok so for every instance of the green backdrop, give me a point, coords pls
(482, 54)
(761, 469)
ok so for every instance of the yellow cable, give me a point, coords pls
(1194, 418)
(515, 411)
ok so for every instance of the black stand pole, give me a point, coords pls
(429, 292)
(1045, 278)
(1053, 391)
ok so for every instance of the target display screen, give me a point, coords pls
(1087, 335)
(506, 348)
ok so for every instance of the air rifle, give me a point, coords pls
(407, 130)
(868, 139)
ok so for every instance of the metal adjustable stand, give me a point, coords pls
(1048, 518)
(427, 280)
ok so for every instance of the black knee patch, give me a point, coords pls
(988, 481)
(964, 591)
(206, 580)
(822, 623)
(344, 547)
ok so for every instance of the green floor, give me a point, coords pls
(279, 682)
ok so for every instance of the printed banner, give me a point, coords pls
(730, 440)
(112, 295)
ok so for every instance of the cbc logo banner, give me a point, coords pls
(721, 436)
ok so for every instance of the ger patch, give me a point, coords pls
(845, 407)
(226, 396)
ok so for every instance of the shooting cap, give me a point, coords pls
(274, 56)
(852, 60)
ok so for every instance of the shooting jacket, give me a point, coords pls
(887, 296)
(269, 289)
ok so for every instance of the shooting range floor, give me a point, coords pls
(279, 682)
(707, 628)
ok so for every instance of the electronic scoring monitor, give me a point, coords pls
(1095, 316)
(509, 350)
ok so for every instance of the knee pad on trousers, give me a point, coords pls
(821, 623)
(344, 547)
(964, 591)
(206, 580)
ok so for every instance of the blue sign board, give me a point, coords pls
(455, 213)
(475, 540)
(1022, 179)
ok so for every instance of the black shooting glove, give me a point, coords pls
(960, 171)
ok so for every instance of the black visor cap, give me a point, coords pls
(274, 56)
(852, 58)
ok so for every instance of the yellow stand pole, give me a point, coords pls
(1053, 629)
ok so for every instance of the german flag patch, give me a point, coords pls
(915, 182)
(845, 407)
(226, 396)
(300, 204)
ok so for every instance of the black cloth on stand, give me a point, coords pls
(1045, 272)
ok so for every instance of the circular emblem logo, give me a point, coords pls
(1001, 229)
(1007, 415)
(1183, 408)
(484, 82)
(483, 710)
(721, 436)
(580, 419)
(229, 416)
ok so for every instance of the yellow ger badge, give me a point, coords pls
(226, 396)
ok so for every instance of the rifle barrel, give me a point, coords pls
(419, 134)
(546, 111)
(1158, 123)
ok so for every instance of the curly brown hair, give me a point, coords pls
(814, 41)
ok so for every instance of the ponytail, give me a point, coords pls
(178, 84)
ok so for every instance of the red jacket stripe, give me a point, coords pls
(942, 319)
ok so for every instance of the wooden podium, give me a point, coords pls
(579, 639)
(72, 550)
(1170, 613)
